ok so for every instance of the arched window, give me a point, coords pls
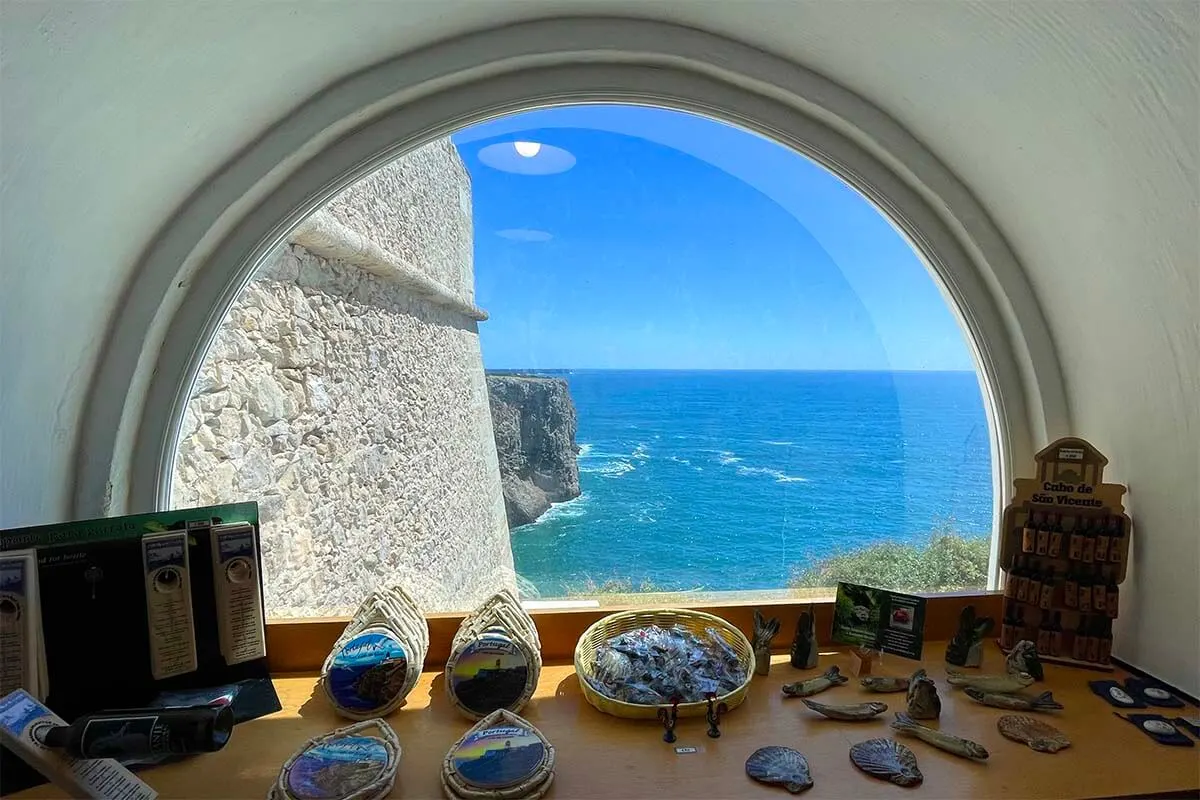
(599, 353)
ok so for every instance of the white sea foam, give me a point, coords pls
(640, 452)
(610, 469)
(778, 475)
(571, 509)
(727, 457)
(679, 460)
(585, 450)
(777, 444)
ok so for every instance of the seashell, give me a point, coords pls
(501, 756)
(1035, 733)
(780, 766)
(358, 761)
(848, 713)
(888, 760)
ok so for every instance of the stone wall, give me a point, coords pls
(355, 410)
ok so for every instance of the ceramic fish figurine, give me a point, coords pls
(923, 700)
(884, 683)
(1014, 702)
(831, 677)
(764, 632)
(780, 766)
(1027, 730)
(887, 759)
(851, 713)
(1024, 658)
(998, 684)
(952, 744)
(966, 648)
(804, 645)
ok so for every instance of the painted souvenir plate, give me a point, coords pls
(489, 674)
(337, 768)
(497, 757)
(368, 672)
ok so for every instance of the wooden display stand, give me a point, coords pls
(1067, 503)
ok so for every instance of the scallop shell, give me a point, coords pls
(780, 766)
(887, 759)
(849, 713)
(1035, 733)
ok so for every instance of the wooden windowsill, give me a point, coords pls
(599, 756)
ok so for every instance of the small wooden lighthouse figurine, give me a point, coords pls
(1064, 548)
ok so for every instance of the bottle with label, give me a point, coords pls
(1093, 642)
(1079, 646)
(143, 732)
(1103, 539)
(1116, 541)
(1020, 626)
(1022, 575)
(1043, 636)
(1043, 537)
(1104, 649)
(1010, 582)
(1075, 543)
(1055, 547)
(1111, 597)
(1071, 588)
(1046, 597)
(1099, 590)
(1029, 534)
(1033, 592)
(1085, 592)
(1088, 554)
(1008, 627)
(1056, 634)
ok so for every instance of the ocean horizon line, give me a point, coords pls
(526, 370)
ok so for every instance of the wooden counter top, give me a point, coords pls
(604, 757)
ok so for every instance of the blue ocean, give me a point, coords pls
(733, 480)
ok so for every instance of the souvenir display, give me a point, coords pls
(990, 683)
(495, 658)
(966, 648)
(950, 743)
(1035, 733)
(172, 631)
(1152, 693)
(713, 716)
(357, 762)
(632, 662)
(764, 632)
(1014, 701)
(1064, 546)
(1158, 728)
(24, 662)
(804, 645)
(923, 700)
(858, 712)
(378, 658)
(884, 683)
(888, 760)
(1024, 658)
(502, 756)
(780, 766)
(1115, 694)
(831, 677)
(668, 717)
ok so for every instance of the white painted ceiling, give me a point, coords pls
(1077, 125)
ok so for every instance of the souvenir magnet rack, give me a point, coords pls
(1064, 548)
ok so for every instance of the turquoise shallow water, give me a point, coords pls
(731, 480)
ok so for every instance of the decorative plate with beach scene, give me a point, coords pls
(368, 672)
(337, 768)
(490, 673)
(499, 757)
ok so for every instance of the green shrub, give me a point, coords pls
(947, 563)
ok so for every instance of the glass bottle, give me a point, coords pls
(1103, 540)
(1104, 649)
(1019, 632)
(1099, 590)
(1010, 582)
(1033, 592)
(1056, 633)
(1046, 597)
(1043, 636)
(1022, 574)
(1088, 553)
(1008, 627)
(1079, 646)
(1029, 534)
(1112, 596)
(1085, 592)
(1075, 543)
(1071, 588)
(1116, 541)
(1043, 536)
(1055, 547)
(1093, 642)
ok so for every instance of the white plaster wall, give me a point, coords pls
(1074, 123)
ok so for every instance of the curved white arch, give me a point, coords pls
(204, 255)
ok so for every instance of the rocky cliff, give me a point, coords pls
(534, 421)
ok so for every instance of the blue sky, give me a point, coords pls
(678, 242)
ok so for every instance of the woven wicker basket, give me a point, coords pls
(604, 629)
